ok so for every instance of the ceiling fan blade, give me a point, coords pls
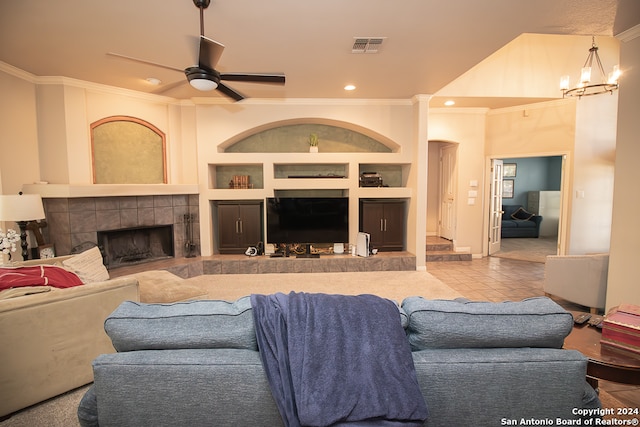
(277, 78)
(210, 53)
(142, 61)
(167, 87)
(231, 93)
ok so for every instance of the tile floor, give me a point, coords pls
(500, 279)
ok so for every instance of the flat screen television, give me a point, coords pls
(307, 220)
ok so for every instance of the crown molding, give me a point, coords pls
(303, 101)
(534, 106)
(17, 72)
(630, 34)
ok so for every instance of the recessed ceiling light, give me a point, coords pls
(449, 103)
(349, 87)
(153, 81)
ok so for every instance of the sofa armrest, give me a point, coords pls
(581, 279)
(50, 339)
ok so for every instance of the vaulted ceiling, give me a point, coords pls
(426, 45)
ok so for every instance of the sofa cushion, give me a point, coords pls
(184, 325)
(460, 323)
(88, 265)
(524, 224)
(161, 287)
(522, 214)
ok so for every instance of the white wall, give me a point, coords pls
(591, 200)
(66, 110)
(465, 127)
(623, 272)
(19, 161)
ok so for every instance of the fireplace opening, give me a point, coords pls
(129, 246)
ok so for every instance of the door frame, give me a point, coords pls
(565, 186)
(495, 205)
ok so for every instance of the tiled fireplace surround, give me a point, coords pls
(75, 221)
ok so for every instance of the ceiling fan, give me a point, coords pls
(204, 76)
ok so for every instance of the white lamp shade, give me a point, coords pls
(24, 207)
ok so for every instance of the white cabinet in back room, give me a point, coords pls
(547, 204)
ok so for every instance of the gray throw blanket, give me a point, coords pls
(335, 360)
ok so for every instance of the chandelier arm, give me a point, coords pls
(604, 76)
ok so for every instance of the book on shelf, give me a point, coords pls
(240, 182)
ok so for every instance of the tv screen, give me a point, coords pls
(308, 219)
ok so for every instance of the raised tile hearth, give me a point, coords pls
(242, 264)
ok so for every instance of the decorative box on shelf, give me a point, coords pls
(621, 328)
(371, 179)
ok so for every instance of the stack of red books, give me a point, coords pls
(621, 328)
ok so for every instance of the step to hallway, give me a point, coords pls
(439, 249)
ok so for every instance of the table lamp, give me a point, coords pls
(21, 208)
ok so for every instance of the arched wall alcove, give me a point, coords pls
(291, 136)
(128, 150)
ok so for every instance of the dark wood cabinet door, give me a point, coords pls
(385, 222)
(394, 226)
(371, 221)
(239, 226)
(228, 228)
(250, 225)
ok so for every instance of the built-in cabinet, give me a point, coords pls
(240, 208)
(384, 220)
(239, 225)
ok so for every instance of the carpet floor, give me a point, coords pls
(395, 285)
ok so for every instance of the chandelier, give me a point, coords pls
(585, 87)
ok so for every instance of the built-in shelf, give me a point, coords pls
(393, 175)
(310, 171)
(223, 176)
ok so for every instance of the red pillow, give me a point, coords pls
(40, 275)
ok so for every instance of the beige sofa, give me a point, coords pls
(49, 339)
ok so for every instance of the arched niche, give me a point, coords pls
(291, 136)
(127, 150)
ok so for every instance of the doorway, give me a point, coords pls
(441, 190)
(535, 184)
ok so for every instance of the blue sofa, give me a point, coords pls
(517, 222)
(197, 363)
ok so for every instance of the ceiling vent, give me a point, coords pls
(367, 44)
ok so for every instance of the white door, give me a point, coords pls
(495, 219)
(447, 191)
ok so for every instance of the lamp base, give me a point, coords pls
(23, 239)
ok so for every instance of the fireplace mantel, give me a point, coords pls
(107, 190)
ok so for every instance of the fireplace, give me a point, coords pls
(74, 222)
(128, 246)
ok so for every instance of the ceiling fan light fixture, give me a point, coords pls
(201, 79)
(203, 84)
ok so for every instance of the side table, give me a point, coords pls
(604, 363)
